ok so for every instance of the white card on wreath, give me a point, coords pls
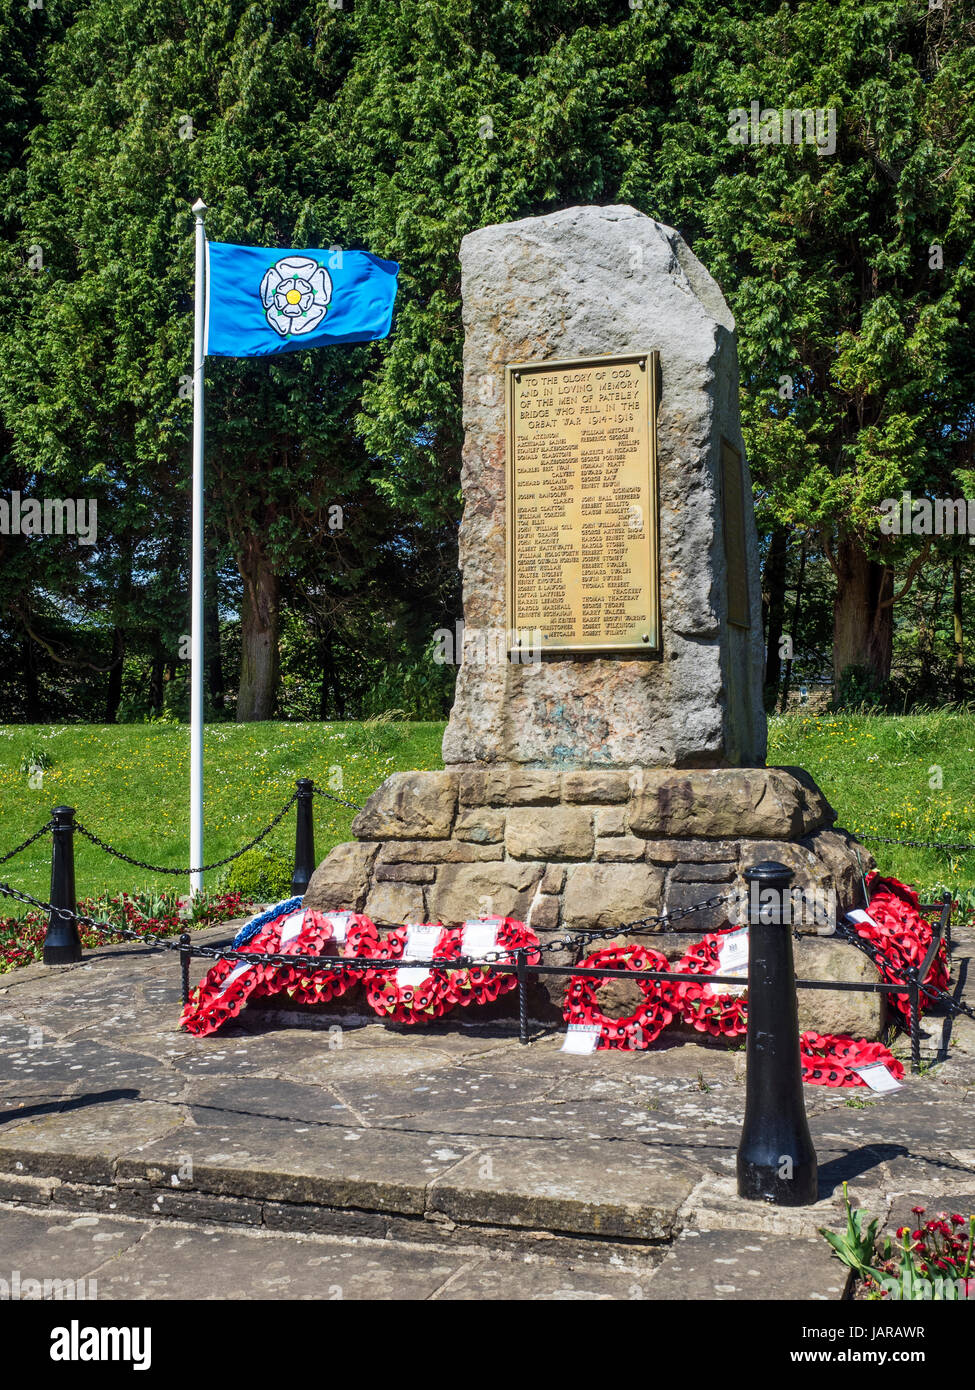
(409, 976)
(291, 927)
(581, 1038)
(733, 960)
(860, 916)
(340, 922)
(235, 974)
(479, 938)
(878, 1077)
(421, 940)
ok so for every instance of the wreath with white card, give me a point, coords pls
(631, 1031)
(718, 1010)
(412, 993)
(480, 940)
(325, 934)
(228, 985)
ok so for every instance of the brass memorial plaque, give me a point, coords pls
(581, 504)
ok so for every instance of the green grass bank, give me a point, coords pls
(907, 777)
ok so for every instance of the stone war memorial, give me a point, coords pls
(605, 758)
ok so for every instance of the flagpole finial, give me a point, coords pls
(199, 206)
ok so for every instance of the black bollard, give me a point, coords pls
(776, 1158)
(304, 838)
(62, 945)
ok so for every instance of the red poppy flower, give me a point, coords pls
(706, 1010)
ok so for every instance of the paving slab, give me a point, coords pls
(212, 1264)
(734, 1266)
(584, 1187)
(60, 1245)
(85, 1138)
(349, 1167)
(127, 1259)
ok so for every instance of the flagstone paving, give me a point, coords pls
(331, 1156)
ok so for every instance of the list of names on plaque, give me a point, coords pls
(581, 504)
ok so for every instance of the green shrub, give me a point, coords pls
(858, 689)
(379, 735)
(263, 874)
(36, 759)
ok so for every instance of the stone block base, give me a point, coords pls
(591, 851)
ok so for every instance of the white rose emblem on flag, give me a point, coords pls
(296, 294)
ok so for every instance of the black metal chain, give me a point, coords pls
(913, 844)
(68, 916)
(328, 796)
(911, 974)
(181, 873)
(643, 924)
(316, 964)
(44, 830)
(503, 955)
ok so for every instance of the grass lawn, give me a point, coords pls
(909, 777)
(129, 783)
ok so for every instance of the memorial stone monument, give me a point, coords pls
(605, 755)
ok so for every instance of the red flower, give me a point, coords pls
(841, 1054)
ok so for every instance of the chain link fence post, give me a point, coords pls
(304, 838)
(913, 978)
(62, 944)
(776, 1158)
(521, 961)
(184, 966)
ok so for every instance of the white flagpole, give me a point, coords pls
(196, 586)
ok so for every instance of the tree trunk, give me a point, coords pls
(863, 626)
(259, 622)
(774, 586)
(156, 671)
(330, 679)
(958, 613)
(211, 634)
(113, 696)
(796, 614)
(31, 692)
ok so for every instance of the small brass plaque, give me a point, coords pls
(733, 507)
(581, 504)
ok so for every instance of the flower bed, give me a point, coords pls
(153, 914)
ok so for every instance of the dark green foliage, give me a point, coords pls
(400, 125)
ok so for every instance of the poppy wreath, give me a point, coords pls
(423, 1002)
(228, 984)
(261, 919)
(480, 984)
(830, 1061)
(700, 1005)
(319, 931)
(902, 938)
(636, 1030)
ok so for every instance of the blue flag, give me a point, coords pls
(261, 300)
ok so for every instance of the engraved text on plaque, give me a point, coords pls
(582, 503)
